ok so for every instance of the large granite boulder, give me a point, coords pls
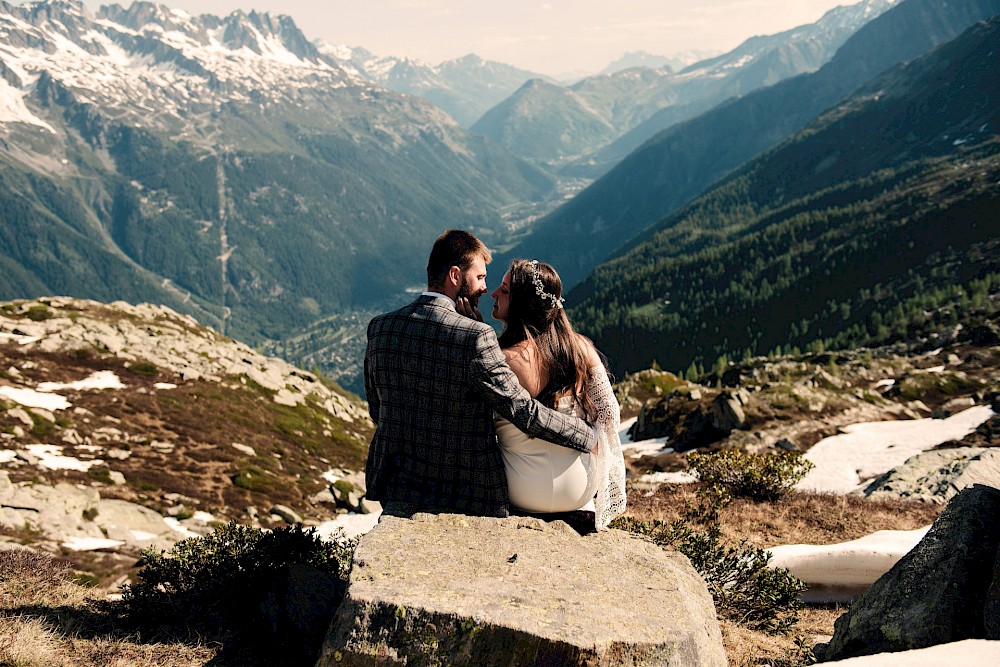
(939, 592)
(938, 475)
(459, 590)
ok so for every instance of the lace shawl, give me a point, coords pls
(608, 461)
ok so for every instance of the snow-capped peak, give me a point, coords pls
(156, 64)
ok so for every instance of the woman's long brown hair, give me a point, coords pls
(562, 352)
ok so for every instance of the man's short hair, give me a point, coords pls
(454, 248)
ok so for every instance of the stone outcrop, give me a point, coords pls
(458, 590)
(172, 341)
(944, 590)
(73, 514)
(690, 423)
(938, 475)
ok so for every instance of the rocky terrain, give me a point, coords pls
(123, 427)
(791, 402)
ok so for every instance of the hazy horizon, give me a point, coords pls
(553, 37)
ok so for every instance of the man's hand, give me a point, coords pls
(465, 307)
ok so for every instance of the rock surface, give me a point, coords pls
(458, 590)
(77, 516)
(938, 475)
(937, 593)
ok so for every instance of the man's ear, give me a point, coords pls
(455, 276)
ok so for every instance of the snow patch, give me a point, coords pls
(97, 380)
(863, 451)
(176, 526)
(14, 110)
(967, 653)
(855, 563)
(33, 399)
(91, 543)
(650, 447)
(51, 457)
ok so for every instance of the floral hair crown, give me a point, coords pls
(536, 280)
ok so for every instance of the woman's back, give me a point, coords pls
(542, 476)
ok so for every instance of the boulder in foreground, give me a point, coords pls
(937, 593)
(459, 590)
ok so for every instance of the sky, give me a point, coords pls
(553, 37)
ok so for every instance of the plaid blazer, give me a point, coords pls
(433, 379)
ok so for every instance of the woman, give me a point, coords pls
(563, 370)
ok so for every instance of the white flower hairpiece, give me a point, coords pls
(536, 280)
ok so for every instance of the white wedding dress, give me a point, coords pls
(543, 477)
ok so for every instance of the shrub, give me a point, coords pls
(38, 313)
(759, 477)
(744, 588)
(216, 581)
(145, 369)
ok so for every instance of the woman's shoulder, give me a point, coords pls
(521, 354)
(593, 356)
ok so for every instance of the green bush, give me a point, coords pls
(145, 369)
(744, 588)
(759, 477)
(216, 582)
(38, 313)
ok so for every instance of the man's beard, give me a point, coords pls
(465, 291)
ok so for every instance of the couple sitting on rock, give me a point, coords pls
(473, 424)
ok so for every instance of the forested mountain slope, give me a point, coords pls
(858, 228)
(685, 160)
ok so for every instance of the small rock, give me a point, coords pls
(286, 513)
(22, 416)
(253, 513)
(952, 407)
(246, 449)
(786, 445)
(324, 496)
(119, 454)
(71, 436)
(727, 413)
(162, 447)
(27, 457)
(116, 477)
(353, 500)
(369, 506)
(177, 510)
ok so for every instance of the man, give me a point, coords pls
(434, 378)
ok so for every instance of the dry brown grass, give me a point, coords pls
(46, 620)
(800, 518)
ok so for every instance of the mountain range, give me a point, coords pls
(223, 166)
(587, 127)
(465, 87)
(873, 222)
(681, 162)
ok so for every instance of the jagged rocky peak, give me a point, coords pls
(141, 14)
(253, 30)
(68, 18)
